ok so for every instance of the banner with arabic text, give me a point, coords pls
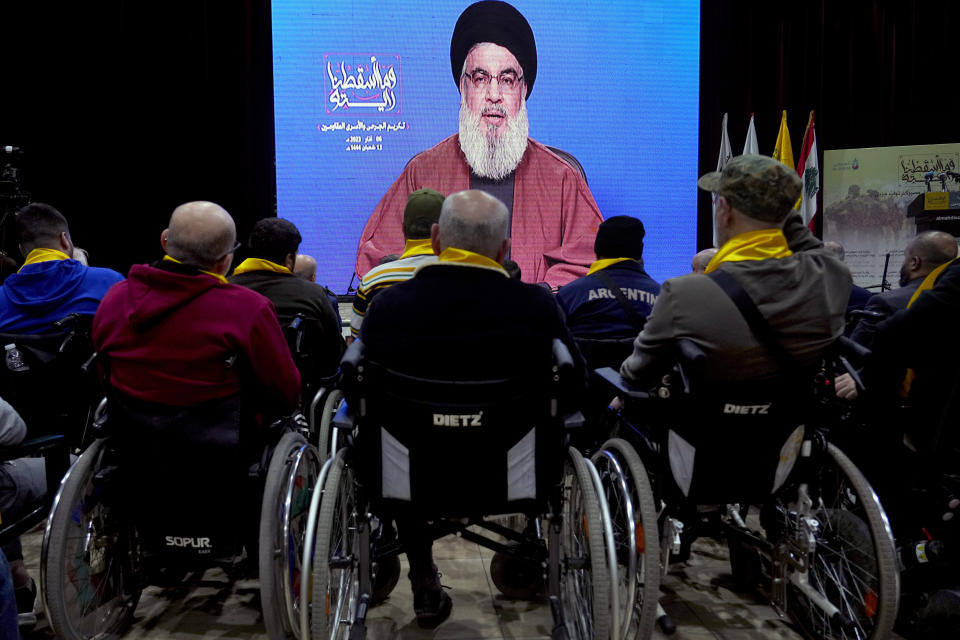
(865, 198)
(360, 87)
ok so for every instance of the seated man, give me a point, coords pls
(702, 259)
(460, 318)
(269, 271)
(22, 483)
(177, 333)
(420, 214)
(858, 295)
(51, 284)
(615, 297)
(305, 267)
(923, 254)
(799, 288)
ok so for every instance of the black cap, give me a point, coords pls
(499, 23)
(620, 237)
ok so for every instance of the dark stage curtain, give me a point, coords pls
(877, 73)
(127, 109)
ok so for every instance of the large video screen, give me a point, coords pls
(360, 87)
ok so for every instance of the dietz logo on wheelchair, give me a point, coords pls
(747, 409)
(457, 420)
(194, 543)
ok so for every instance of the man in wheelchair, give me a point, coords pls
(767, 257)
(733, 424)
(462, 318)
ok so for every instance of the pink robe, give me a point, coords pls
(554, 221)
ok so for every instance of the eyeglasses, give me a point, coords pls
(234, 250)
(508, 81)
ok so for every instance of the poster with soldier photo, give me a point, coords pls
(865, 198)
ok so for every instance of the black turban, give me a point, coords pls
(499, 23)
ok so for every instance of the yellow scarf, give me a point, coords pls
(928, 282)
(259, 264)
(44, 255)
(417, 248)
(752, 245)
(603, 264)
(462, 256)
(209, 273)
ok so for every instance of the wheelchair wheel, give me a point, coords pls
(854, 565)
(585, 579)
(88, 558)
(634, 518)
(291, 479)
(336, 581)
(330, 407)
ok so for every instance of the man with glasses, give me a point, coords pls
(177, 333)
(553, 216)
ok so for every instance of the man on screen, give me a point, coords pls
(553, 216)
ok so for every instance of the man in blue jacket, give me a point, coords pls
(51, 284)
(615, 297)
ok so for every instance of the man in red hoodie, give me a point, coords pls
(176, 333)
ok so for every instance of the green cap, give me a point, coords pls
(421, 213)
(759, 186)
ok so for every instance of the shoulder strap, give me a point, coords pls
(755, 320)
(634, 316)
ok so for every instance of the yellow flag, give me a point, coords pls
(784, 150)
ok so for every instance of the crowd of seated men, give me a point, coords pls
(181, 332)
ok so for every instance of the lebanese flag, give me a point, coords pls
(809, 171)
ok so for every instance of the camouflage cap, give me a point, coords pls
(761, 187)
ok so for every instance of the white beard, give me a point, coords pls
(489, 155)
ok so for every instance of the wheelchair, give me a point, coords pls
(57, 391)
(693, 455)
(396, 428)
(909, 450)
(122, 520)
(320, 396)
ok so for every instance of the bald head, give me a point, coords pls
(835, 248)
(925, 253)
(201, 234)
(702, 259)
(305, 267)
(474, 221)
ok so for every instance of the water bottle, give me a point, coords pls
(921, 552)
(15, 360)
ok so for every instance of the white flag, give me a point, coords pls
(725, 154)
(750, 144)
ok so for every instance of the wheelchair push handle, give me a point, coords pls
(561, 355)
(690, 352)
(352, 358)
(852, 349)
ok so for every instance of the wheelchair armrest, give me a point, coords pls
(618, 385)
(32, 446)
(863, 313)
(343, 419)
(352, 358)
(561, 355)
